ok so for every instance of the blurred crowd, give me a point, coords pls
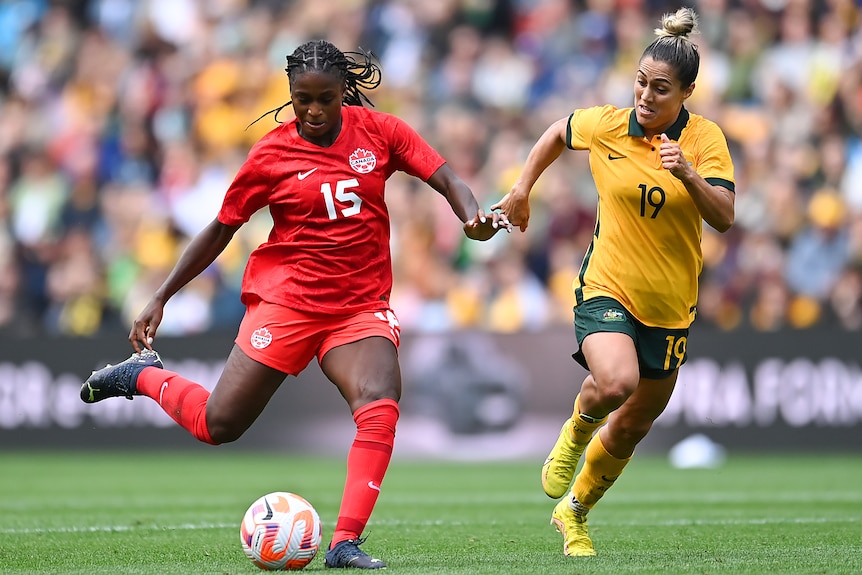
(122, 122)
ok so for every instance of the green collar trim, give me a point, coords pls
(674, 132)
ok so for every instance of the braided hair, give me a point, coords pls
(356, 69)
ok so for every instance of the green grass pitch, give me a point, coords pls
(93, 513)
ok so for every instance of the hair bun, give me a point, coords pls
(680, 23)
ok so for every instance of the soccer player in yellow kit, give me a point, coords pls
(660, 172)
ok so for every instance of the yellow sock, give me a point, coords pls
(600, 471)
(583, 426)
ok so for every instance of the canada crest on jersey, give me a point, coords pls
(362, 160)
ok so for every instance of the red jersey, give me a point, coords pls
(328, 250)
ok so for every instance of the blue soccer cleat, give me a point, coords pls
(119, 380)
(347, 555)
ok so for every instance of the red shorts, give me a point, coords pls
(286, 339)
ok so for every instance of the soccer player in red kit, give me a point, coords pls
(318, 287)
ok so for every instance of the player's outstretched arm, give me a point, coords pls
(198, 255)
(516, 204)
(477, 224)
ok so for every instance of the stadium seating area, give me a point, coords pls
(122, 122)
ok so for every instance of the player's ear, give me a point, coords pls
(688, 91)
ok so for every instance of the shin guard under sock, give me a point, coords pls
(367, 462)
(185, 401)
(600, 471)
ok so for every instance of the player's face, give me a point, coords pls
(317, 98)
(658, 96)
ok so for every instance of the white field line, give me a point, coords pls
(397, 523)
(36, 504)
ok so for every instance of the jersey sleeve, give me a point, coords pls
(250, 189)
(410, 152)
(714, 163)
(582, 127)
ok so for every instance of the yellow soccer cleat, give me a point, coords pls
(559, 467)
(573, 526)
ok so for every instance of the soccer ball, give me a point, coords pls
(281, 532)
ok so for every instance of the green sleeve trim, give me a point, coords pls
(721, 182)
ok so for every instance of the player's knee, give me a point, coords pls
(222, 431)
(372, 388)
(369, 394)
(614, 388)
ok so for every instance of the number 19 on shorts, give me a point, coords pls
(675, 350)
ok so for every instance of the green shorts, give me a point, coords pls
(660, 351)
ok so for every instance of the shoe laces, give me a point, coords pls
(144, 354)
(125, 374)
(349, 549)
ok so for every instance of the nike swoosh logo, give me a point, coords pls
(609, 479)
(610, 157)
(162, 391)
(547, 461)
(372, 486)
(302, 176)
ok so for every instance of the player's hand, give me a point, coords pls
(144, 328)
(482, 227)
(672, 158)
(516, 207)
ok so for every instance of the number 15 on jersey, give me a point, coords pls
(343, 196)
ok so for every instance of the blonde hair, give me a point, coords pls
(680, 23)
(673, 45)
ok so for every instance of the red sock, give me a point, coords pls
(366, 465)
(185, 401)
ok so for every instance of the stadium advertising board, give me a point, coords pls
(747, 391)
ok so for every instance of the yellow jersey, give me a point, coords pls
(645, 251)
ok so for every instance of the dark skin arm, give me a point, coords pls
(198, 255)
(212, 240)
(477, 225)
